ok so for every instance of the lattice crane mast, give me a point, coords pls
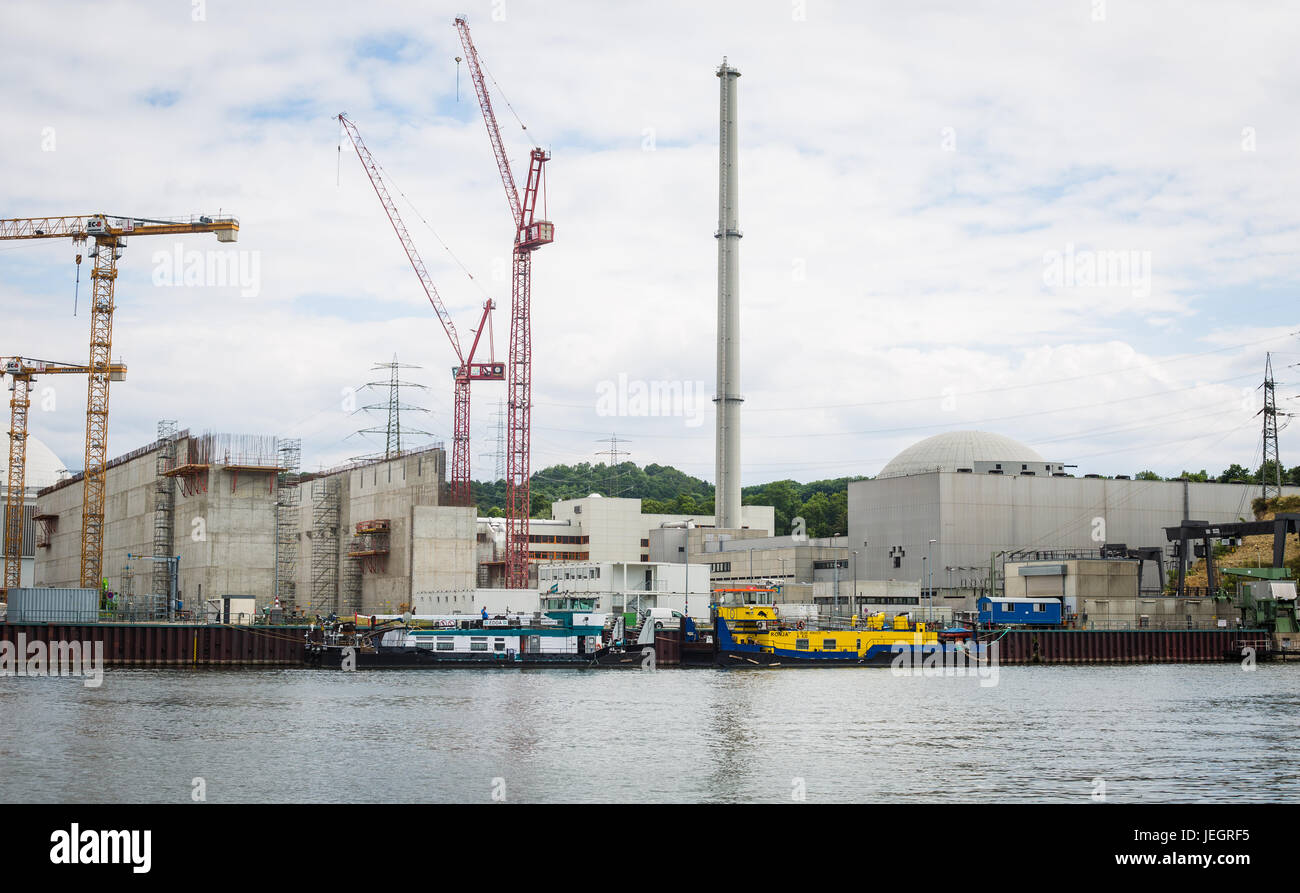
(110, 236)
(530, 234)
(23, 371)
(466, 370)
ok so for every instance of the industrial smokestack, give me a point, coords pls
(727, 399)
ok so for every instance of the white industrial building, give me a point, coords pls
(598, 529)
(945, 508)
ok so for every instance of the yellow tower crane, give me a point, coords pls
(110, 235)
(23, 371)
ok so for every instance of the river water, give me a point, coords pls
(1203, 732)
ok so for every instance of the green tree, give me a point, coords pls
(1235, 472)
(818, 514)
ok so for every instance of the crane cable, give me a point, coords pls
(389, 177)
(464, 269)
(522, 125)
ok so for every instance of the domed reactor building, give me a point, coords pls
(947, 508)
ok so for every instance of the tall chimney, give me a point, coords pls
(728, 399)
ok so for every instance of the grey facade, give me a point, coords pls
(971, 516)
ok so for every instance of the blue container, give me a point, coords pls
(1022, 611)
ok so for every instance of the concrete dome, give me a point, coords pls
(958, 449)
(43, 467)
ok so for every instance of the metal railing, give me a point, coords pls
(1157, 623)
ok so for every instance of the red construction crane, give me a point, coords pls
(466, 370)
(530, 234)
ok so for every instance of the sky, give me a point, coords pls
(1072, 223)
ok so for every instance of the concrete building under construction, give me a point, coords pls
(244, 521)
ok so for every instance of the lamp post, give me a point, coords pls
(853, 599)
(929, 586)
(687, 605)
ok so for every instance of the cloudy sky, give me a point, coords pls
(927, 194)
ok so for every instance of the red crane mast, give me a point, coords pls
(465, 370)
(530, 234)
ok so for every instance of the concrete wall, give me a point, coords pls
(443, 549)
(472, 601)
(128, 528)
(1104, 595)
(1080, 578)
(674, 543)
(974, 515)
(396, 491)
(225, 535)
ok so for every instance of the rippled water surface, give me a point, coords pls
(1151, 733)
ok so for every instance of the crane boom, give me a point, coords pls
(102, 225)
(490, 119)
(24, 371)
(403, 235)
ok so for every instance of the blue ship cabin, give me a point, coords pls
(1021, 610)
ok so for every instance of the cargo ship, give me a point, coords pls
(566, 632)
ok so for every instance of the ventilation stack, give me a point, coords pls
(728, 399)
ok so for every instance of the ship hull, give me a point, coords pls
(332, 657)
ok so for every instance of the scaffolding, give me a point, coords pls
(164, 511)
(288, 499)
(351, 596)
(325, 495)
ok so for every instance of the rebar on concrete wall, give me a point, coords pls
(255, 450)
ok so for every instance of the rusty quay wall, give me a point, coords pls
(174, 645)
(1133, 646)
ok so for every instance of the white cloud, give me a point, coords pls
(882, 274)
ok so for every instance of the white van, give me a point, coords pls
(663, 618)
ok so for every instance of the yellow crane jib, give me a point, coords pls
(110, 233)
